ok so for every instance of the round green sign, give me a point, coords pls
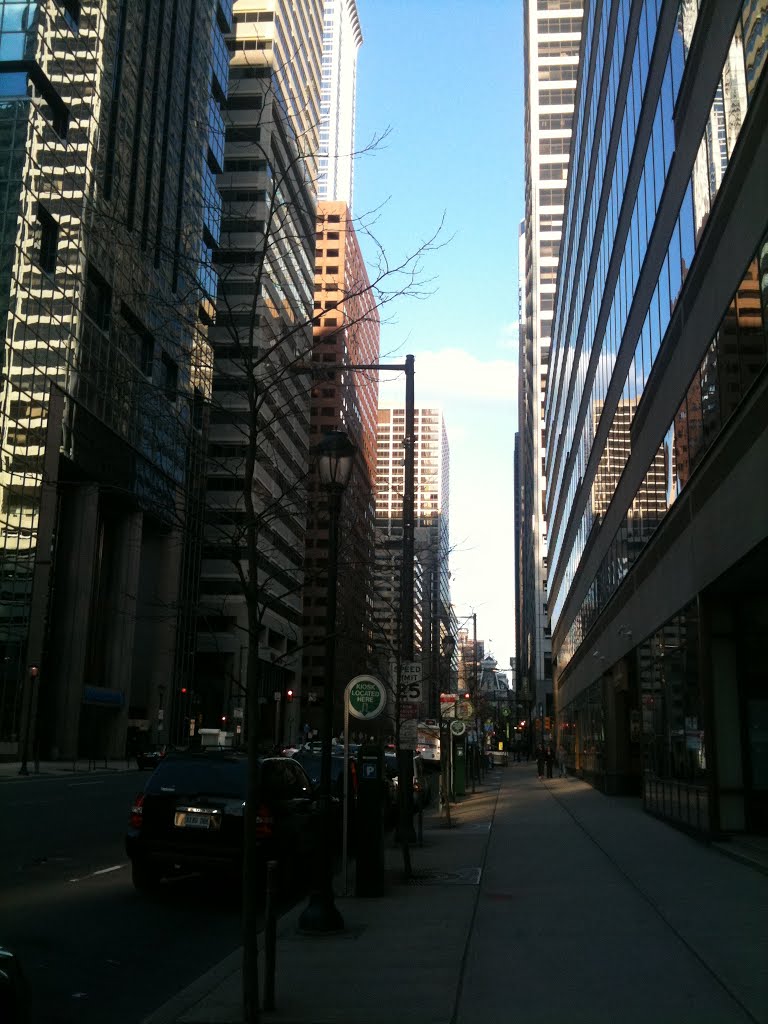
(366, 697)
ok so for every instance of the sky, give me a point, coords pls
(443, 82)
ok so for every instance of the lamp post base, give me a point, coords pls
(321, 916)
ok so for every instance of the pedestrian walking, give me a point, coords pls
(540, 760)
(562, 761)
(549, 760)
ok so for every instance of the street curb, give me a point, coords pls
(197, 991)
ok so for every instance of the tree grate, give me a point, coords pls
(466, 876)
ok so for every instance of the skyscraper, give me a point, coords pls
(346, 334)
(432, 603)
(250, 623)
(552, 42)
(342, 37)
(656, 413)
(105, 140)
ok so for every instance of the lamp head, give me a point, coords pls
(335, 455)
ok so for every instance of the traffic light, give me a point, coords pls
(183, 691)
(289, 695)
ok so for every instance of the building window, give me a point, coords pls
(72, 13)
(98, 299)
(49, 239)
(170, 381)
(147, 355)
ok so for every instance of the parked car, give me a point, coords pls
(14, 991)
(310, 762)
(148, 760)
(422, 790)
(191, 813)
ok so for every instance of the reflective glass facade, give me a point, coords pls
(102, 136)
(660, 333)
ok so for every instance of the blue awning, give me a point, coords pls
(101, 695)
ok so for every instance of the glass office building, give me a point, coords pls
(107, 135)
(657, 413)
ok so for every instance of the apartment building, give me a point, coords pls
(250, 625)
(344, 397)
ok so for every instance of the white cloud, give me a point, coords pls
(448, 374)
(510, 337)
(479, 402)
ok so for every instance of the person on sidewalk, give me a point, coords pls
(562, 761)
(540, 759)
(549, 758)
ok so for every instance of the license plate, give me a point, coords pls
(184, 819)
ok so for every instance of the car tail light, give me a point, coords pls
(137, 812)
(264, 822)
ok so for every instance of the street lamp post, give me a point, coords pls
(335, 455)
(31, 705)
(449, 646)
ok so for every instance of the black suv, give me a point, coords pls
(190, 816)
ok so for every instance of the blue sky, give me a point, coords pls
(446, 79)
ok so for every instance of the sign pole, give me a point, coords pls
(366, 697)
(345, 811)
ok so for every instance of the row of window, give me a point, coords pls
(707, 174)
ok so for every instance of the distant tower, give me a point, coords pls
(346, 333)
(552, 43)
(342, 38)
(431, 517)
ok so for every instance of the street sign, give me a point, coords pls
(409, 734)
(464, 709)
(409, 691)
(366, 697)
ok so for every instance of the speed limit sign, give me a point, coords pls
(409, 690)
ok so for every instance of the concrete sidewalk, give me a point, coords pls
(546, 901)
(82, 765)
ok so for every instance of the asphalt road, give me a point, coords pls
(92, 948)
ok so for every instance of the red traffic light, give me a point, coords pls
(289, 695)
(183, 689)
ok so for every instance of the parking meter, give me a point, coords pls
(369, 821)
(460, 765)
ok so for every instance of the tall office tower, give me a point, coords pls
(552, 41)
(250, 624)
(657, 413)
(342, 37)
(106, 142)
(346, 333)
(432, 604)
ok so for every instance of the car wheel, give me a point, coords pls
(145, 878)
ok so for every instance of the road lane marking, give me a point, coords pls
(101, 871)
(74, 785)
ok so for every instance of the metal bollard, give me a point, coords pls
(270, 936)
